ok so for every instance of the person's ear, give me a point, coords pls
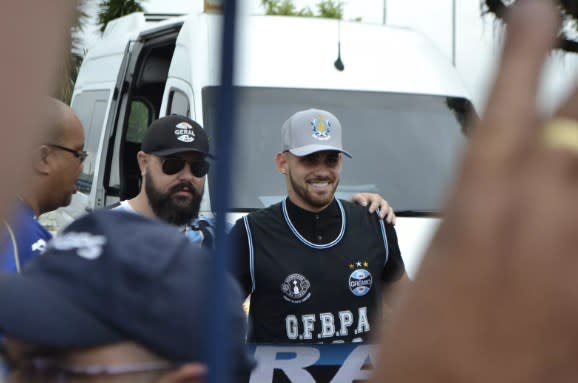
(142, 159)
(281, 162)
(41, 159)
(189, 373)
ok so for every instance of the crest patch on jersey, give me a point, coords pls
(184, 132)
(360, 280)
(295, 288)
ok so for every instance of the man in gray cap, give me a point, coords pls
(315, 266)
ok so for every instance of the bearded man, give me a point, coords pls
(173, 165)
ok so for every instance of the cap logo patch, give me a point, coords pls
(87, 246)
(321, 128)
(184, 132)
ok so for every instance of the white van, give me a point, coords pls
(401, 103)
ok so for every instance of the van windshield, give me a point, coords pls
(404, 146)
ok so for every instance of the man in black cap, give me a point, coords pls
(101, 304)
(173, 165)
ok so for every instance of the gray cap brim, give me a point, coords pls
(309, 149)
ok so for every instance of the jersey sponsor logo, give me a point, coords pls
(321, 128)
(184, 132)
(328, 327)
(295, 288)
(313, 362)
(360, 280)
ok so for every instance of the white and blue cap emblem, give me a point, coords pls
(310, 131)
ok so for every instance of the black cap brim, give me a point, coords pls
(34, 312)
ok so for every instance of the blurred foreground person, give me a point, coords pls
(55, 165)
(101, 305)
(36, 32)
(496, 299)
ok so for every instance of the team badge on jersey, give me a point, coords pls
(295, 288)
(321, 128)
(360, 280)
(184, 132)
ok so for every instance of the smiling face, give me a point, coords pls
(312, 179)
(174, 198)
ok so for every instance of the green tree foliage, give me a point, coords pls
(568, 11)
(284, 8)
(113, 9)
(332, 9)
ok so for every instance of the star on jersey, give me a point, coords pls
(358, 264)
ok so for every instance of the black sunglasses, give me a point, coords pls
(80, 154)
(173, 165)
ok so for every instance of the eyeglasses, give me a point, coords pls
(173, 165)
(45, 370)
(80, 154)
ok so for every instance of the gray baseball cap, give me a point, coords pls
(310, 131)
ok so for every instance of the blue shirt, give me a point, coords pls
(30, 237)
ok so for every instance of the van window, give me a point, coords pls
(138, 121)
(179, 103)
(404, 146)
(90, 107)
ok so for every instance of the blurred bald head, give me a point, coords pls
(60, 119)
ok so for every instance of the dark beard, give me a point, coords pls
(304, 194)
(165, 206)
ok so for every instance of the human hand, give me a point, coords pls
(496, 298)
(375, 201)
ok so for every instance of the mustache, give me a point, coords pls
(187, 186)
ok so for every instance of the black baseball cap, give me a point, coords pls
(175, 134)
(115, 276)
